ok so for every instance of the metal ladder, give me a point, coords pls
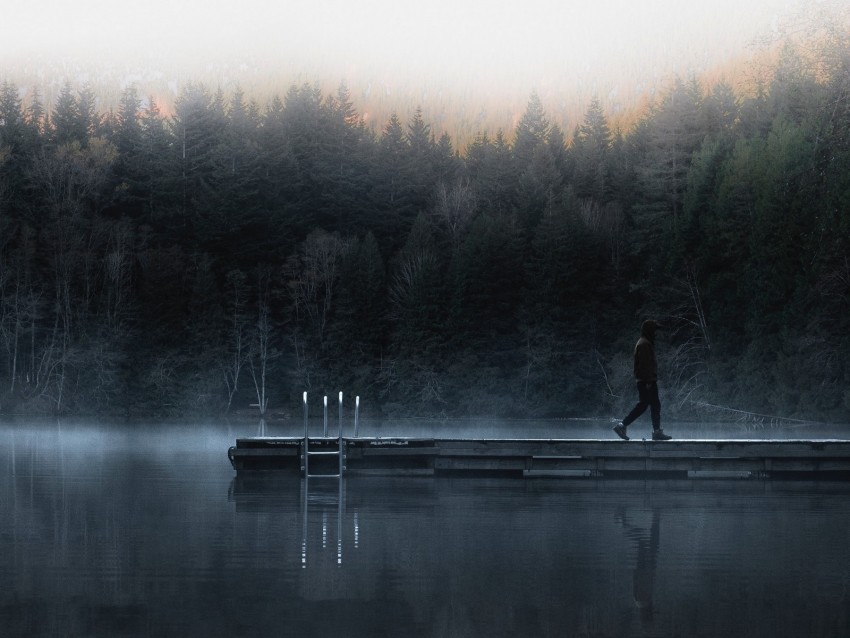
(338, 452)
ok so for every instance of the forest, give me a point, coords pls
(230, 255)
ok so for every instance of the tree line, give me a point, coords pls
(231, 253)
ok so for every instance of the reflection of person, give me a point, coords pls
(647, 558)
(646, 374)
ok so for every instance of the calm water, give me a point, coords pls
(147, 532)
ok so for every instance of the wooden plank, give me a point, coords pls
(383, 451)
(274, 451)
(247, 444)
(400, 471)
(481, 463)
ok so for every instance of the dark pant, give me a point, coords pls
(647, 398)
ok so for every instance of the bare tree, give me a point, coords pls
(689, 358)
(237, 348)
(606, 221)
(455, 208)
(312, 277)
(404, 290)
(71, 178)
(117, 270)
(262, 348)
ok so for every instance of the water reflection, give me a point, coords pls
(515, 556)
(646, 542)
(327, 495)
(113, 532)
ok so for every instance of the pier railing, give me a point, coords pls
(323, 449)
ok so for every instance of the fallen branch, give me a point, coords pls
(755, 415)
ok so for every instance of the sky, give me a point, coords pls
(468, 63)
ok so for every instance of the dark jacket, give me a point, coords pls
(646, 370)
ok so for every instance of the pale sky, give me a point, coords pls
(478, 51)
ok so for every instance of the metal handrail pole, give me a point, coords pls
(340, 435)
(340, 413)
(356, 415)
(340, 457)
(306, 441)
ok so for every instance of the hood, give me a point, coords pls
(648, 328)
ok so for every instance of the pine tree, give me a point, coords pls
(719, 112)
(672, 136)
(591, 148)
(419, 161)
(11, 117)
(199, 125)
(129, 108)
(158, 166)
(392, 190)
(35, 118)
(447, 164)
(489, 165)
(89, 121)
(66, 117)
(531, 133)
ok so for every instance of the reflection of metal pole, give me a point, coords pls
(356, 415)
(340, 510)
(356, 530)
(325, 428)
(305, 498)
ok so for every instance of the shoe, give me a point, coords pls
(620, 430)
(658, 435)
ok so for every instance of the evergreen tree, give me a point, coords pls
(531, 133)
(591, 149)
(447, 164)
(392, 189)
(343, 161)
(488, 163)
(420, 156)
(66, 117)
(14, 149)
(158, 168)
(11, 117)
(199, 125)
(128, 132)
(360, 323)
(89, 121)
(537, 178)
(671, 137)
(719, 112)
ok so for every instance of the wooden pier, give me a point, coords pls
(734, 458)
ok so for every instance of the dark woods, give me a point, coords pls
(232, 254)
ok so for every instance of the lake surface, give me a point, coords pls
(146, 531)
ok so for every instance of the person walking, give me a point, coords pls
(646, 374)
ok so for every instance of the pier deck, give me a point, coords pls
(762, 458)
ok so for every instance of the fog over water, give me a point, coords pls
(110, 530)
